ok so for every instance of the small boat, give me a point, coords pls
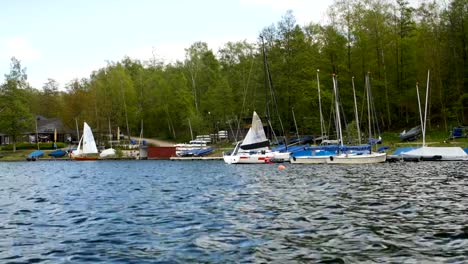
(58, 153)
(193, 148)
(107, 153)
(314, 154)
(255, 147)
(411, 135)
(86, 149)
(459, 132)
(35, 155)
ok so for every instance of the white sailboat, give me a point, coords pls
(352, 158)
(87, 149)
(320, 154)
(255, 147)
(432, 153)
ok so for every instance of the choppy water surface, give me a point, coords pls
(210, 212)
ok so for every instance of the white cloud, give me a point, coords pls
(20, 48)
(166, 52)
(305, 11)
(172, 52)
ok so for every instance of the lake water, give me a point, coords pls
(210, 212)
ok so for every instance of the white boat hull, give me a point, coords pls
(357, 159)
(309, 159)
(256, 158)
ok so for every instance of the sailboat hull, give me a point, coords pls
(87, 157)
(257, 158)
(357, 159)
(254, 148)
(309, 160)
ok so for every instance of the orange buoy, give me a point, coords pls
(281, 167)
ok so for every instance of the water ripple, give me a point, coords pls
(210, 212)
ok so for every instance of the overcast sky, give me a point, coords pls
(67, 39)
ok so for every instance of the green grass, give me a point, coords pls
(21, 154)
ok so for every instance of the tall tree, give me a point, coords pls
(15, 117)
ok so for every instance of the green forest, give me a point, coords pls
(394, 43)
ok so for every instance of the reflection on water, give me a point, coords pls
(178, 212)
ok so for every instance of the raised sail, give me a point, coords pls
(255, 138)
(89, 145)
(87, 149)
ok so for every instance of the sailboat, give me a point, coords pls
(110, 152)
(316, 154)
(86, 149)
(255, 147)
(346, 157)
(432, 153)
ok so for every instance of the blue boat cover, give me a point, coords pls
(36, 154)
(398, 151)
(57, 153)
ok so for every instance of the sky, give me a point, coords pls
(68, 39)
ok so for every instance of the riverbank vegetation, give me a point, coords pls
(212, 90)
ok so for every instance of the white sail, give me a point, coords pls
(255, 138)
(255, 147)
(89, 145)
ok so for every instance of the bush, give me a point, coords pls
(23, 145)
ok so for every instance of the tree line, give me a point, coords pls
(391, 41)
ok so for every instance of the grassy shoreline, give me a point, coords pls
(433, 139)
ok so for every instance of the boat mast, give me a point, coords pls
(272, 94)
(125, 109)
(368, 109)
(77, 129)
(110, 134)
(420, 111)
(425, 109)
(337, 107)
(141, 133)
(295, 123)
(190, 127)
(322, 126)
(356, 112)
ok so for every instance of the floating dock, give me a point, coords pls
(196, 158)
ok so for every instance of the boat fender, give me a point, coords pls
(294, 158)
(331, 158)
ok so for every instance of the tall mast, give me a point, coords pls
(368, 107)
(295, 123)
(425, 110)
(322, 126)
(77, 130)
(110, 134)
(337, 107)
(272, 93)
(356, 113)
(420, 111)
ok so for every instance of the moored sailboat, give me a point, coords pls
(86, 149)
(255, 148)
(347, 157)
(432, 153)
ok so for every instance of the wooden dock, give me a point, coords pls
(196, 158)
